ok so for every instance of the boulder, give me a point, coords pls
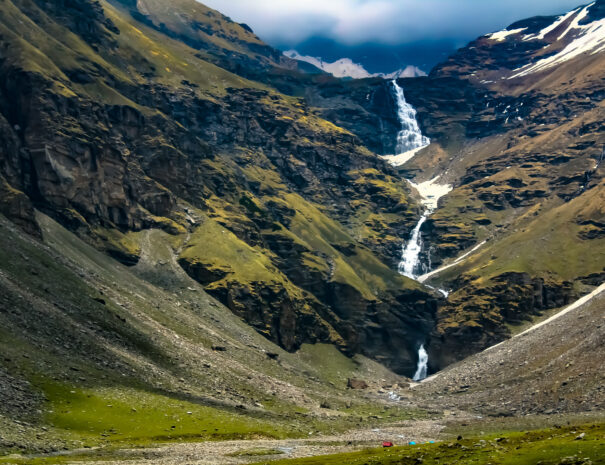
(358, 384)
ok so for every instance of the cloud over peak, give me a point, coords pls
(351, 22)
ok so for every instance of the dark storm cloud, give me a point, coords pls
(383, 35)
(391, 22)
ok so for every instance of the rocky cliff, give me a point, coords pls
(122, 117)
(516, 120)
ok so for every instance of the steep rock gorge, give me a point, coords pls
(522, 143)
(119, 117)
(286, 218)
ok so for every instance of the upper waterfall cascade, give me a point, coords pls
(410, 136)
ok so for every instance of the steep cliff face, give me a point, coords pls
(516, 120)
(364, 106)
(121, 117)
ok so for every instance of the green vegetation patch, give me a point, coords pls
(256, 453)
(222, 253)
(557, 446)
(117, 415)
(329, 363)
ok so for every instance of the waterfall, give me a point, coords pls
(410, 257)
(423, 364)
(410, 140)
(409, 137)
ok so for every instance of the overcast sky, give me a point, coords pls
(401, 26)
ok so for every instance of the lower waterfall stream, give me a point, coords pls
(423, 364)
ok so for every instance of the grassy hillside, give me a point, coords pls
(93, 355)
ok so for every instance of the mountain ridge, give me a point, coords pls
(212, 237)
(345, 67)
(522, 153)
(182, 145)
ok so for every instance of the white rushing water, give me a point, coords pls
(431, 192)
(410, 257)
(410, 141)
(423, 364)
(409, 137)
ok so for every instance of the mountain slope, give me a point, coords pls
(199, 241)
(555, 368)
(98, 354)
(522, 143)
(216, 38)
(113, 127)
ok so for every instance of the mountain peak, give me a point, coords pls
(567, 37)
(347, 68)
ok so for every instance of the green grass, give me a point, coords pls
(546, 447)
(256, 453)
(554, 446)
(99, 411)
(235, 258)
(170, 59)
(362, 271)
(225, 34)
(330, 364)
(135, 417)
(546, 242)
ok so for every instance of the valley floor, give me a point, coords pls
(459, 438)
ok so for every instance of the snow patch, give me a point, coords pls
(588, 38)
(431, 191)
(345, 67)
(408, 71)
(502, 35)
(547, 30)
(403, 158)
(576, 22)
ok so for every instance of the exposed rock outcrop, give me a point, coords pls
(477, 315)
(521, 141)
(192, 149)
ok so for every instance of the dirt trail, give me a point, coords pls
(226, 452)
